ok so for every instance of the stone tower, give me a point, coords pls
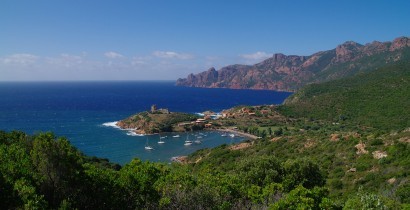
(153, 108)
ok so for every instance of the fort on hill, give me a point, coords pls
(155, 110)
(160, 120)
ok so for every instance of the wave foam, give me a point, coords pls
(111, 124)
(131, 133)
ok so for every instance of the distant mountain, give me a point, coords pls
(291, 72)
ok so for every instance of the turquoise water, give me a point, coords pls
(80, 111)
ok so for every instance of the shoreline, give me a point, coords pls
(183, 159)
(137, 133)
(240, 133)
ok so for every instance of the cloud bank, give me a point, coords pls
(170, 54)
(113, 55)
(22, 59)
(111, 65)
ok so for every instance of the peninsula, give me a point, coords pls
(160, 120)
(241, 120)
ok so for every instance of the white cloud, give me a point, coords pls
(66, 60)
(21, 59)
(140, 60)
(75, 58)
(170, 54)
(256, 56)
(113, 55)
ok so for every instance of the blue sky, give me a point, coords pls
(168, 39)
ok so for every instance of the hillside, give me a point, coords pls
(356, 129)
(291, 72)
(380, 99)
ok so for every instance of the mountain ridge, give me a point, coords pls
(290, 72)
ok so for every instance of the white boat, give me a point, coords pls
(199, 137)
(224, 135)
(176, 136)
(187, 141)
(160, 140)
(198, 142)
(147, 146)
(232, 135)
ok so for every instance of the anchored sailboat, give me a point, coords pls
(147, 146)
(187, 141)
(160, 140)
(198, 141)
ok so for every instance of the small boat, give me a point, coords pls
(147, 146)
(160, 140)
(176, 136)
(163, 137)
(232, 135)
(199, 137)
(198, 142)
(187, 141)
(224, 135)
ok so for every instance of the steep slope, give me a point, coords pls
(379, 99)
(291, 72)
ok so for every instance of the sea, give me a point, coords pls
(86, 112)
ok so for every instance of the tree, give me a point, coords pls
(138, 180)
(59, 165)
(261, 170)
(364, 200)
(102, 189)
(17, 178)
(302, 198)
(278, 132)
(302, 172)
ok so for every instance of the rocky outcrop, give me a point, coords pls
(361, 148)
(400, 43)
(379, 154)
(347, 51)
(291, 72)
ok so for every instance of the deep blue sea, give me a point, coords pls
(81, 112)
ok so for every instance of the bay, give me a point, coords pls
(80, 111)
